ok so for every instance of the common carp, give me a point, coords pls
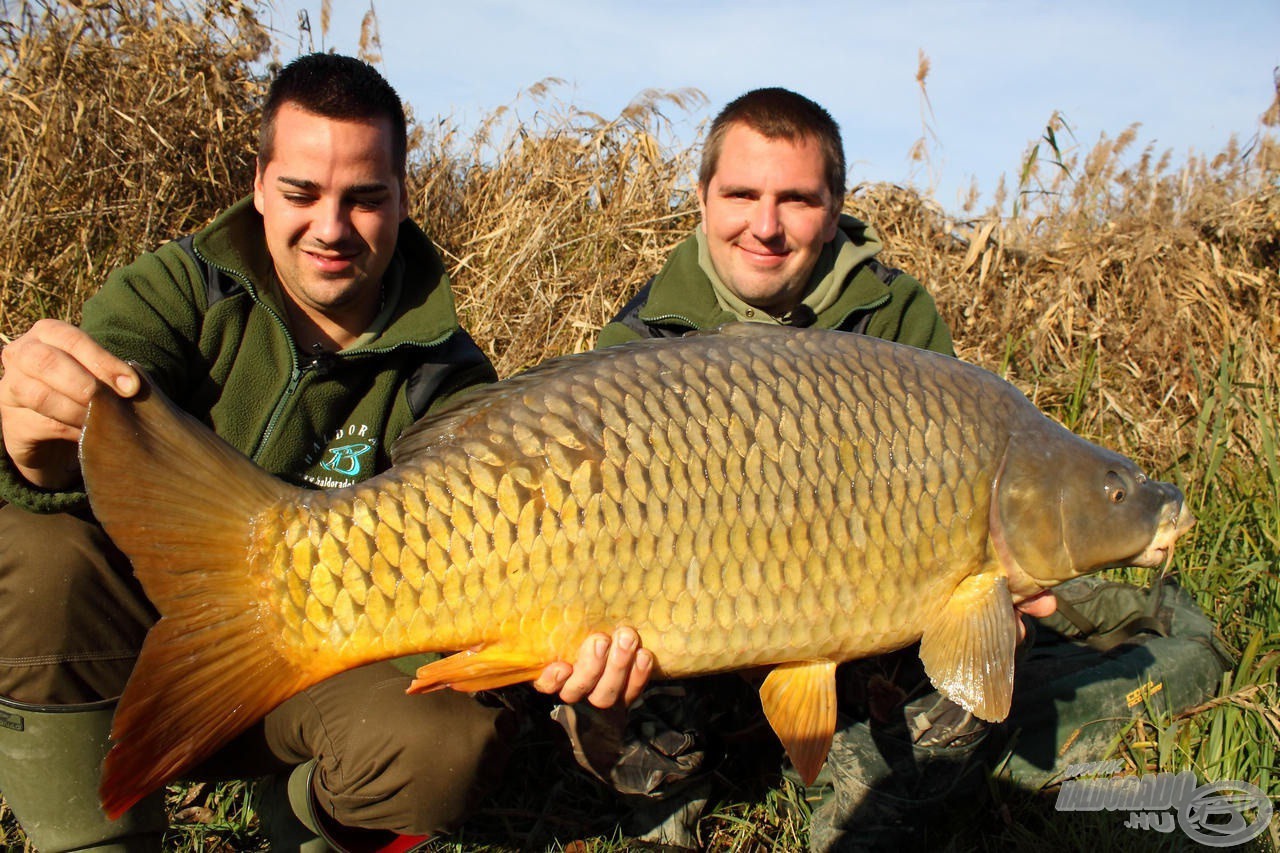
(748, 498)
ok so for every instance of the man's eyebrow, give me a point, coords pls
(796, 193)
(366, 189)
(312, 186)
(801, 195)
(298, 183)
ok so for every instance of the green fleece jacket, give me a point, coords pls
(681, 298)
(219, 347)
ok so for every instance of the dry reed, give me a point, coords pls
(125, 124)
(122, 125)
(549, 220)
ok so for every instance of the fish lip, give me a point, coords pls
(1178, 519)
(1152, 557)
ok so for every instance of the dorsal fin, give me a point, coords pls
(439, 427)
(744, 329)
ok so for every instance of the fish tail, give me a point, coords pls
(181, 504)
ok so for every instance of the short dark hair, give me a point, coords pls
(777, 113)
(336, 87)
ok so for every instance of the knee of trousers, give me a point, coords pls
(414, 764)
(72, 617)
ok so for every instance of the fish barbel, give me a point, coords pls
(752, 497)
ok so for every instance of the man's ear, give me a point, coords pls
(702, 208)
(259, 189)
(404, 201)
(833, 221)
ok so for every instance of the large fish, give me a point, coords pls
(752, 497)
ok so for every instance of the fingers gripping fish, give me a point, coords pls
(746, 498)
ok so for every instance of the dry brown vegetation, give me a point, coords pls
(550, 217)
(125, 124)
(121, 126)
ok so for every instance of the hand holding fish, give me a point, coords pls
(1038, 606)
(50, 375)
(607, 674)
(613, 673)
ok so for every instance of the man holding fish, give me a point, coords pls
(774, 248)
(309, 325)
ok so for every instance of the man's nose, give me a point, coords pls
(765, 224)
(332, 222)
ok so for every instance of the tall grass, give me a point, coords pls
(1234, 566)
(1133, 297)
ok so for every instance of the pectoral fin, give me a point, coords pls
(799, 701)
(484, 669)
(968, 651)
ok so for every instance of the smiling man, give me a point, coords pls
(773, 245)
(309, 325)
(331, 206)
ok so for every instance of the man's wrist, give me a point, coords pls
(16, 488)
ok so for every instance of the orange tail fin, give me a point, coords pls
(180, 503)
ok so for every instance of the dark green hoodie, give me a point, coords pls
(219, 347)
(873, 299)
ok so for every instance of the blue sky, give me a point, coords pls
(999, 70)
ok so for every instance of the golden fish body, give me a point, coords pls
(702, 508)
(757, 496)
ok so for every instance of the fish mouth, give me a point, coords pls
(1177, 521)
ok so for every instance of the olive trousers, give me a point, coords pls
(72, 620)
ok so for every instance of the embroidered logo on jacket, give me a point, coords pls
(351, 457)
(347, 459)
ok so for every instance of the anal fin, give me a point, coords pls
(799, 700)
(968, 650)
(485, 669)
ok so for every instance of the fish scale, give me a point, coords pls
(756, 497)
(510, 516)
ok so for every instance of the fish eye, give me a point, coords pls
(1114, 488)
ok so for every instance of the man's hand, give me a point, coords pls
(1039, 606)
(607, 673)
(50, 374)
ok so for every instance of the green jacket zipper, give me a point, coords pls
(295, 370)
